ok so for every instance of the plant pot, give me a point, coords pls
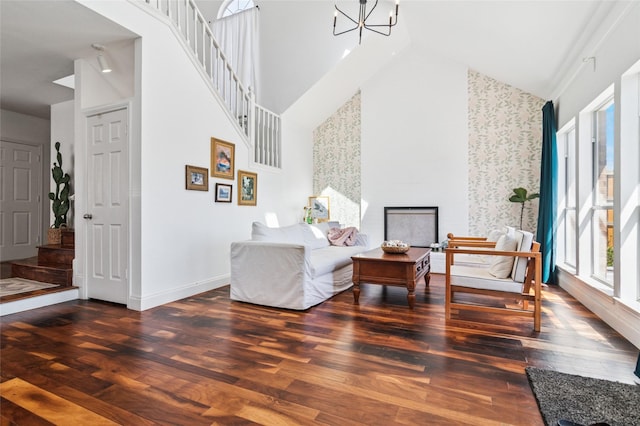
(54, 235)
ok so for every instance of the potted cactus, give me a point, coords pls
(60, 198)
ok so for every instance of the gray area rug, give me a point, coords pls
(20, 285)
(584, 400)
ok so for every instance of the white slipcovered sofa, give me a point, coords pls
(292, 267)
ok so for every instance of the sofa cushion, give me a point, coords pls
(315, 236)
(501, 266)
(293, 234)
(329, 259)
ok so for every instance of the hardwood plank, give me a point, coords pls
(208, 360)
(48, 406)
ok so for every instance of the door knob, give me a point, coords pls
(88, 216)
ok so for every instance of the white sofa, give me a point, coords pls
(292, 267)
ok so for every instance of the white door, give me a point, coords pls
(107, 206)
(20, 204)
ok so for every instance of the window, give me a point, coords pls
(603, 180)
(569, 216)
(229, 7)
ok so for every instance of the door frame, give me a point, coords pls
(43, 207)
(80, 266)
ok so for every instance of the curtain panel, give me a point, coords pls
(546, 233)
(237, 35)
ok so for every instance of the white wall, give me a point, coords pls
(614, 54)
(280, 86)
(414, 129)
(184, 236)
(63, 131)
(414, 141)
(22, 128)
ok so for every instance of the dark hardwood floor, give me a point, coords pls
(208, 360)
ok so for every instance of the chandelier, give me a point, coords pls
(361, 23)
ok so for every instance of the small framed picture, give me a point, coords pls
(222, 159)
(223, 193)
(196, 178)
(247, 188)
(320, 208)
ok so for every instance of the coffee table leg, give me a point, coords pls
(411, 298)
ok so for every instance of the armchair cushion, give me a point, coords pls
(501, 266)
(524, 241)
(480, 278)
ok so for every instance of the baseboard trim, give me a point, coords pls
(147, 302)
(611, 310)
(27, 304)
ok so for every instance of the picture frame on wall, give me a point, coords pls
(223, 193)
(222, 159)
(320, 209)
(196, 178)
(247, 188)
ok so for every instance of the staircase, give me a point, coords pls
(260, 128)
(54, 263)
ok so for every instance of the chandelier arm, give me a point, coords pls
(345, 31)
(379, 32)
(370, 11)
(345, 15)
(381, 25)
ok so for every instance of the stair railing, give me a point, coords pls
(260, 127)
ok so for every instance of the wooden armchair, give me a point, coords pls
(456, 241)
(523, 282)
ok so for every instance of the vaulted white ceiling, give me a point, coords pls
(535, 45)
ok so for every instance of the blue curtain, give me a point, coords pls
(546, 233)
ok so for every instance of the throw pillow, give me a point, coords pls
(501, 265)
(524, 241)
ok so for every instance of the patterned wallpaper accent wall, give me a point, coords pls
(505, 150)
(336, 162)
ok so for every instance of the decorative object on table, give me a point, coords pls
(247, 188)
(320, 208)
(223, 193)
(395, 246)
(308, 215)
(417, 226)
(361, 23)
(60, 198)
(222, 159)
(521, 197)
(196, 178)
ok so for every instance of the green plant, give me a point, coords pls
(60, 198)
(521, 197)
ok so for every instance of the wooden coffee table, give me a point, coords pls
(378, 267)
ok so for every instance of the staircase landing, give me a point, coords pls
(53, 265)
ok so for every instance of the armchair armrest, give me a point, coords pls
(463, 241)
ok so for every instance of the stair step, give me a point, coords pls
(46, 273)
(67, 239)
(55, 254)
